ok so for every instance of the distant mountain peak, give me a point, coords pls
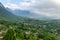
(1, 5)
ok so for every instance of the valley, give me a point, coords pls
(13, 27)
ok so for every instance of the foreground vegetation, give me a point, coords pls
(15, 34)
(29, 30)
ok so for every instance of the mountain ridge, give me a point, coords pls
(5, 14)
(28, 14)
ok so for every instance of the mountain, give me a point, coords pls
(28, 14)
(5, 14)
(1, 6)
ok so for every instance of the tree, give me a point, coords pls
(10, 35)
(20, 34)
(32, 37)
(49, 38)
(41, 35)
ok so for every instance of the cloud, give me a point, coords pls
(8, 0)
(49, 8)
(21, 5)
(12, 6)
(24, 5)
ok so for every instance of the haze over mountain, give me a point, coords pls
(13, 14)
(28, 14)
(49, 8)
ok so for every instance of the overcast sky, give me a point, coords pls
(50, 8)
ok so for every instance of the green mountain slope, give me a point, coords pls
(6, 15)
